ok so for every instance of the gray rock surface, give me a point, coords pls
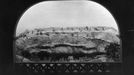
(77, 40)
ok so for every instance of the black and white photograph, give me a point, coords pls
(66, 36)
(67, 31)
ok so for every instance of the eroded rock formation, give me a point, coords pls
(83, 43)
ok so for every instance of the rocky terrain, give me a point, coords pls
(70, 44)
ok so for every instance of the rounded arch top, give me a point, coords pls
(65, 13)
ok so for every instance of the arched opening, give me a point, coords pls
(81, 31)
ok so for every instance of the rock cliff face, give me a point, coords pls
(70, 40)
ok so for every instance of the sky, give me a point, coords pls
(65, 14)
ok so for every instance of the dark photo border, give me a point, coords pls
(12, 10)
